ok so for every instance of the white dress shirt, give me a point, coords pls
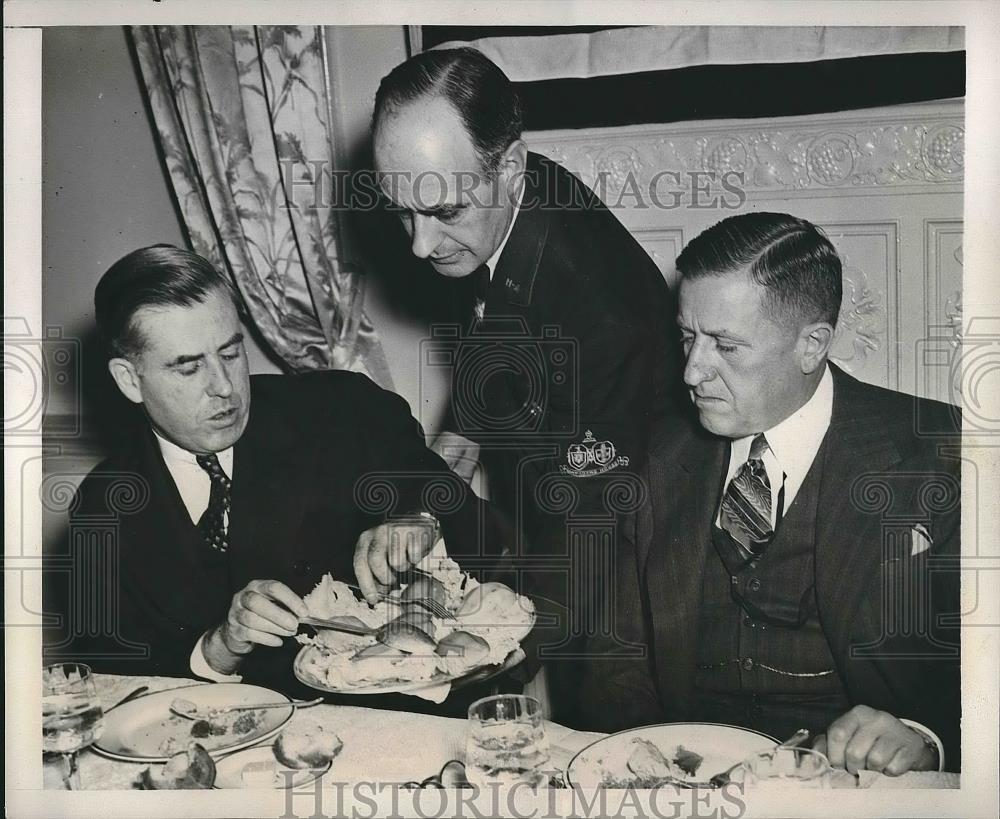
(195, 488)
(193, 482)
(491, 262)
(792, 446)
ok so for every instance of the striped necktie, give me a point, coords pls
(212, 523)
(746, 506)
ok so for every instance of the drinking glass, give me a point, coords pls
(506, 742)
(72, 717)
(787, 768)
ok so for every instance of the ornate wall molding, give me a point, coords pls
(913, 147)
(868, 327)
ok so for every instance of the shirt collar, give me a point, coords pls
(796, 440)
(176, 456)
(491, 262)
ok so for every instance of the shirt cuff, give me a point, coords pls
(201, 668)
(929, 737)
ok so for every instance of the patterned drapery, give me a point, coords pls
(244, 125)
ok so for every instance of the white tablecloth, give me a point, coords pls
(391, 746)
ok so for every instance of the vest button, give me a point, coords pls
(747, 664)
(754, 584)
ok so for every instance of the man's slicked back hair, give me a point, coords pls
(157, 276)
(789, 257)
(476, 88)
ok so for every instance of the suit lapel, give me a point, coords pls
(268, 497)
(684, 487)
(166, 555)
(514, 279)
(856, 443)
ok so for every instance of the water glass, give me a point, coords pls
(506, 742)
(72, 717)
(784, 768)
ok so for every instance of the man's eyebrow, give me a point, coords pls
(720, 333)
(236, 338)
(184, 359)
(724, 333)
(437, 210)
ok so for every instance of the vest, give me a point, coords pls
(764, 661)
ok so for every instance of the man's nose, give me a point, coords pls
(219, 382)
(426, 236)
(696, 369)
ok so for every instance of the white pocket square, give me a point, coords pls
(920, 540)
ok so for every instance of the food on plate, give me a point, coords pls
(192, 769)
(649, 767)
(306, 745)
(493, 608)
(687, 761)
(405, 636)
(424, 587)
(461, 652)
(411, 644)
(214, 731)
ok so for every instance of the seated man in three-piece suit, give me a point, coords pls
(795, 562)
(233, 494)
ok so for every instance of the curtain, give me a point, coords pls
(628, 50)
(244, 125)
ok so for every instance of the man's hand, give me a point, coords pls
(261, 613)
(461, 454)
(383, 552)
(866, 739)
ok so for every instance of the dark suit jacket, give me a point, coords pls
(879, 479)
(576, 295)
(324, 457)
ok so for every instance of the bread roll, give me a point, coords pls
(424, 587)
(406, 637)
(192, 769)
(462, 644)
(306, 745)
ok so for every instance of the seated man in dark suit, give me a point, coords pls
(795, 555)
(194, 543)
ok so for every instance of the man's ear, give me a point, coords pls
(513, 164)
(814, 345)
(126, 377)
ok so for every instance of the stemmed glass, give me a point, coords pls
(787, 768)
(72, 718)
(506, 742)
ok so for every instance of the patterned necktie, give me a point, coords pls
(212, 524)
(746, 506)
(480, 287)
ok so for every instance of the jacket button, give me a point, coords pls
(747, 664)
(754, 584)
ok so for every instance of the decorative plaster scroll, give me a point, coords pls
(840, 152)
(868, 326)
(862, 322)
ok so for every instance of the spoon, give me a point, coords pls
(724, 778)
(188, 710)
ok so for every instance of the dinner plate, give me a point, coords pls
(721, 747)
(397, 686)
(137, 730)
(257, 768)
